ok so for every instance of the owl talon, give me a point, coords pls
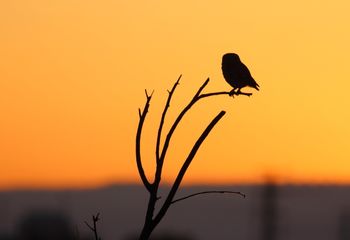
(232, 93)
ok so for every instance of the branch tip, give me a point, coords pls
(142, 115)
(178, 80)
(207, 192)
(160, 156)
(148, 96)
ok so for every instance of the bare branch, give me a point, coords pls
(184, 167)
(195, 98)
(148, 96)
(150, 221)
(143, 114)
(95, 219)
(206, 192)
(204, 95)
(201, 88)
(87, 224)
(177, 121)
(240, 93)
(167, 105)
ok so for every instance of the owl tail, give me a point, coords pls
(256, 86)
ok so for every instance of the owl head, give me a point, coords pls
(229, 57)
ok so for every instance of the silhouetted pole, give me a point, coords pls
(269, 212)
(344, 226)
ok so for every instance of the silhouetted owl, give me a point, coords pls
(236, 73)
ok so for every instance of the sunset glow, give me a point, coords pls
(73, 74)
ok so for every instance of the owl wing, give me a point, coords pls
(244, 72)
(247, 77)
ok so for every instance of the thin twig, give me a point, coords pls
(206, 192)
(178, 119)
(142, 114)
(202, 87)
(224, 93)
(87, 224)
(149, 96)
(167, 105)
(93, 228)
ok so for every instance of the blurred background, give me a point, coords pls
(269, 212)
(72, 77)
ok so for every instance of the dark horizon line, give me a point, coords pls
(188, 185)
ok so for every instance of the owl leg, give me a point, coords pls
(233, 92)
(238, 92)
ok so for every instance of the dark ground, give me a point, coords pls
(267, 213)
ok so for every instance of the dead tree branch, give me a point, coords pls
(152, 221)
(232, 93)
(95, 219)
(167, 105)
(178, 119)
(185, 166)
(206, 192)
(142, 115)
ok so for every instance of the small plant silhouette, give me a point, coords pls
(93, 228)
(152, 219)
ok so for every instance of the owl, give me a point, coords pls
(236, 73)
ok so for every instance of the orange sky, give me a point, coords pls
(72, 76)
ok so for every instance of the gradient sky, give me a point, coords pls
(73, 74)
